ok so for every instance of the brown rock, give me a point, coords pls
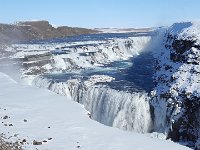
(78, 146)
(5, 117)
(37, 143)
(31, 30)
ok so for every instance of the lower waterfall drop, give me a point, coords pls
(127, 111)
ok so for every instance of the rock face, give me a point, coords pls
(37, 30)
(177, 99)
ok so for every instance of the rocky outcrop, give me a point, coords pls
(177, 99)
(30, 30)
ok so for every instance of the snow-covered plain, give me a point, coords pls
(122, 30)
(61, 124)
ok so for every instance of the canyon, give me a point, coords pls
(145, 82)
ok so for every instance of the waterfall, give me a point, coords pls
(127, 111)
(57, 87)
(121, 109)
(89, 56)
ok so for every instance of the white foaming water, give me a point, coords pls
(57, 87)
(128, 111)
(90, 55)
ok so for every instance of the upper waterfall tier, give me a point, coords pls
(62, 57)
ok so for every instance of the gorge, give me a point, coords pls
(143, 82)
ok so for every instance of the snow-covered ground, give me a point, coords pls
(122, 30)
(59, 123)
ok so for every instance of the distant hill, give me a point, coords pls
(31, 30)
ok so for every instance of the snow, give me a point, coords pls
(98, 78)
(122, 30)
(68, 121)
(29, 53)
(187, 31)
(175, 78)
(184, 73)
(185, 76)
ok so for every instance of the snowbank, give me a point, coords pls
(59, 123)
(186, 31)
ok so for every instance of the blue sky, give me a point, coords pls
(101, 13)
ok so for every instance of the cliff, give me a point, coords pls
(31, 30)
(177, 99)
